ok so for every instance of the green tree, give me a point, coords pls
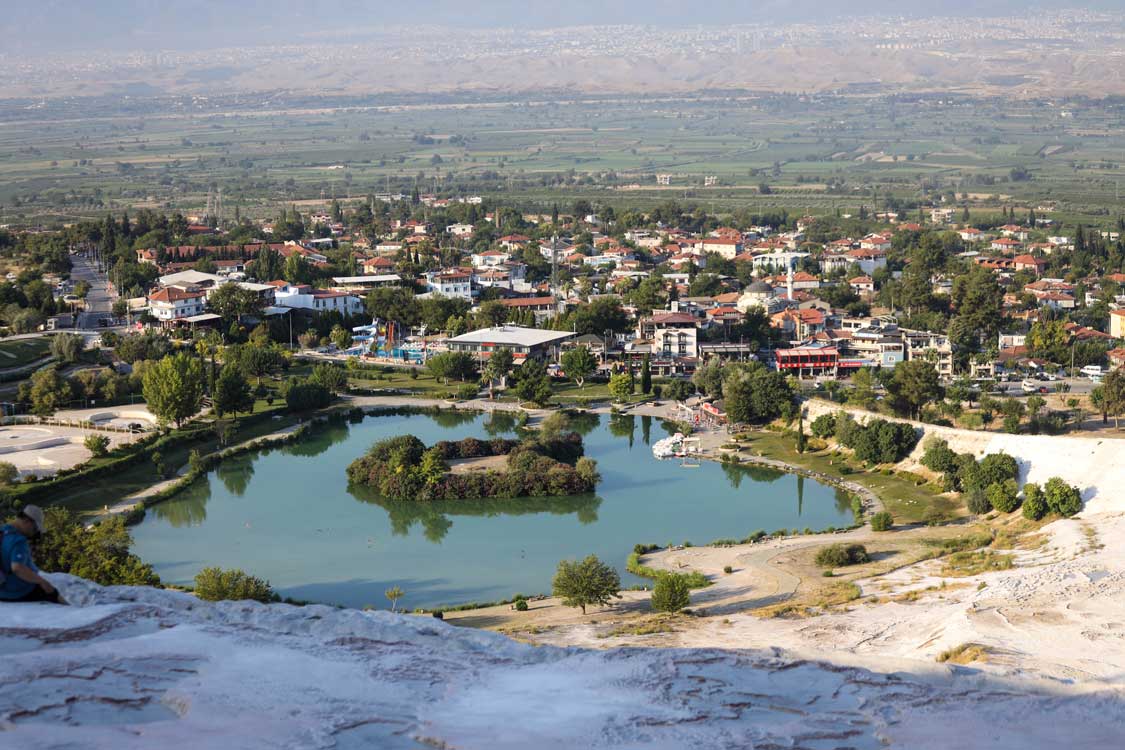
(753, 393)
(620, 387)
(863, 388)
(586, 582)
(297, 270)
(1061, 497)
(678, 390)
(534, 385)
(914, 384)
(498, 367)
(671, 593)
(99, 554)
(709, 378)
(978, 300)
(98, 445)
(394, 593)
(232, 301)
(1003, 496)
(493, 313)
(255, 360)
(216, 584)
(173, 388)
(395, 304)
(232, 392)
(601, 315)
(9, 474)
(882, 521)
(1113, 393)
(578, 364)
(67, 347)
(341, 337)
(1034, 503)
(333, 377)
(446, 365)
(646, 376)
(48, 391)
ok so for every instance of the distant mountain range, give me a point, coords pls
(1045, 53)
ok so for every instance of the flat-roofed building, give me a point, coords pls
(523, 342)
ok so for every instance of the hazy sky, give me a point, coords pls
(56, 25)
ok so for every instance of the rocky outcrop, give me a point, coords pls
(143, 668)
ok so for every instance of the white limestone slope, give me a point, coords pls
(142, 668)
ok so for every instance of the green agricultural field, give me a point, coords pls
(815, 153)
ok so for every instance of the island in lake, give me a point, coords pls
(539, 465)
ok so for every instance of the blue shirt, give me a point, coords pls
(14, 549)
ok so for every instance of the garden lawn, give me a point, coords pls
(902, 496)
(20, 352)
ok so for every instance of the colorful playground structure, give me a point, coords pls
(383, 339)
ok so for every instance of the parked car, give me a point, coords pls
(1029, 387)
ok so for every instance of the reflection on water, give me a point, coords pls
(450, 418)
(500, 423)
(434, 516)
(623, 426)
(189, 508)
(322, 438)
(235, 474)
(584, 422)
(735, 473)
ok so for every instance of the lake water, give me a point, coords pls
(288, 515)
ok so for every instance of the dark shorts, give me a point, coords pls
(37, 594)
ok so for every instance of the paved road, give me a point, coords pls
(1078, 386)
(99, 302)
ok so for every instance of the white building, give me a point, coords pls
(304, 297)
(450, 284)
(489, 258)
(171, 303)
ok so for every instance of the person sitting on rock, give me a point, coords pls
(19, 578)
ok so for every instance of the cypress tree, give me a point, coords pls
(646, 376)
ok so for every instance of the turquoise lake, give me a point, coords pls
(288, 515)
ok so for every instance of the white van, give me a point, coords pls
(1092, 371)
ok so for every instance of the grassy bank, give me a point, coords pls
(906, 499)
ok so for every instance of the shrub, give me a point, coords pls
(978, 502)
(840, 555)
(306, 396)
(1003, 496)
(998, 467)
(824, 426)
(1034, 503)
(216, 584)
(882, 521)
(670, 593)
(939, 457)
(879, 442)
(1061, 497)
(98, 445)
(728, 569)
(644, 549)
(9, 474)
(521, 605)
